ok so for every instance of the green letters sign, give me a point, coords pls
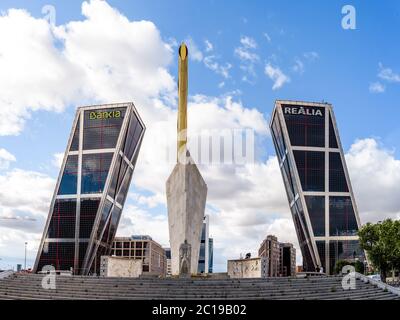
(99, 115)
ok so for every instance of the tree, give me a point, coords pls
(381, 241)
(358, 266)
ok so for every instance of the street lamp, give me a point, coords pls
(26, 243)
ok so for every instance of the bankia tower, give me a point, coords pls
(317, 183)
(92, 187)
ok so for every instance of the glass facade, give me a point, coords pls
(210, 255)
(62, 223)
(316, 211)
(95, 169)
(311, 169)
(342, 220)
(92, 188)
(305, 125)
(321, 247)
(102, 128)
(206, 248)
(344, 250)
(69, 178)
(337, 178)
(332, 135)
(307, 147)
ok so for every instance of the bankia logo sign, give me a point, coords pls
(98, 115)
(306, 111)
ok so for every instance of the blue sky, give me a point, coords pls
(358, 71)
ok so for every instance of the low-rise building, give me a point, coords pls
(144, 248)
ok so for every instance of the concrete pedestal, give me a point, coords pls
(186, 201)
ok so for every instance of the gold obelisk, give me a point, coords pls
(186, 190)
(182, 103)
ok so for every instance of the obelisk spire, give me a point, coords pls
(182, 102)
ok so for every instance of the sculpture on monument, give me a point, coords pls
(186, 189)
(184, 259)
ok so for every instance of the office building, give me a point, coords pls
(270, 249)
(91, 189)
(206, 248)
(317, 183)
(168, 256)
(287, 260)
(142, 248)
(210, 254)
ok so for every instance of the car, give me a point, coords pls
(376, 277)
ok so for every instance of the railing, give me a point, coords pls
(379, 284)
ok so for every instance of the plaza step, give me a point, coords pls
(29, 287)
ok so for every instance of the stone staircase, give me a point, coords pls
(29, 286)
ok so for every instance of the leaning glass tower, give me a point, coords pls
(317, 183)
(91, 189)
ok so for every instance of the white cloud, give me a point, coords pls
(223, 70)
(34, 81)
(267, 36)
(311, 55)
(209, 46)
(245, 55)
(128, 62)
(154, 166)
(194, 52)
(298, 66)
(58, 159)
(376, 87)
(248, 58)
(369, 162)
(25, 191)
(248, 42)
(388, 74)
(5, 159)
(276, 75)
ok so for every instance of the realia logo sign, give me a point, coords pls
(99, 115)
(302, 111)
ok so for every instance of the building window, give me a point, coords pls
(88, 214)
(75, 139)
(62, 223)
(316, 212)
(132, 138)
(278, 138)
(344, 250)
(311, 169)
(60, 255)
(321, 252)
(95, 169)
(101, 128)
(337, 178)
(332, 136)
(342, 220)
(306, 130)
(69, 178)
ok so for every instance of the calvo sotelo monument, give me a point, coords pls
(186, 190)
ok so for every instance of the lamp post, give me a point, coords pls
(26, 243)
